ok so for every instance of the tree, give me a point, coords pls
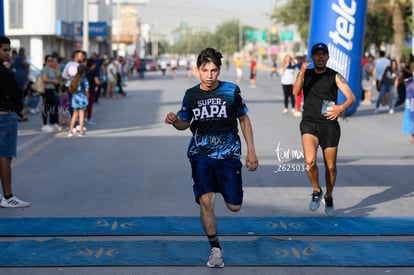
(227, 36)
(388, 21)
(294, 12)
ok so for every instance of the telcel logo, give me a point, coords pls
(345, 24)
(342, 37)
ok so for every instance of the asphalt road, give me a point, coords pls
(131, 164)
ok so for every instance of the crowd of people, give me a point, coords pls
(384, 82)
(387, 76)
(49, 93)
(105, 77)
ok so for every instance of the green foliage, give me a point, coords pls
(378, 28)
(375, 30)
(225, 39)
(227, 36)
(193, 43)
(294, 12)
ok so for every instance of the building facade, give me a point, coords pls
(46, 26)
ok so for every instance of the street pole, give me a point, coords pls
(241, 36)
(412, 29)
(118, 25)
(85, 29)
(2, 17)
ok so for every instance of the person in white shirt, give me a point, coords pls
(111, 73)
(288, 77)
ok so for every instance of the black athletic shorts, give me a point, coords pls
(328, 134)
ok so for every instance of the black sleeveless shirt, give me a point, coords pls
(316, 89)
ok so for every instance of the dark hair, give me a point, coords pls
(90, 62)
(73, 87)
(4, 40)
(75, 52)
(46, 58)
(209, 55)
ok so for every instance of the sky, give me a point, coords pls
(164, 16)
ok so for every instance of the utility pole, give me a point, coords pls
(85, 28)
(241, 36)
(118, 25)
(2, 17)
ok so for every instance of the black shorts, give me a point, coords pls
(218, 176)
(328, 134)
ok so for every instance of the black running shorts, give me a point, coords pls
(328, 134)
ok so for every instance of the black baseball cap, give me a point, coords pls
(320, 46)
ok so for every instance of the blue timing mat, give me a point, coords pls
(264, 251)
(190, 226)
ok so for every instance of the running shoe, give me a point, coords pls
(13, 202)
(91, 121)
(216, 258)
(316, 200)
(57, 127)
(329, 207)
(47, 128)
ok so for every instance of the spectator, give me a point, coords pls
(21, 71)
(239, 69)
(50, 77)
(79, 88)
(388, 84)
(367, 80)
(380, 64)
(94, 83)
(288, 73)
(10, 106)
(111, 78)
(253, 72)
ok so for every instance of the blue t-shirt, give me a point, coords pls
(213, 116)
(21, 72)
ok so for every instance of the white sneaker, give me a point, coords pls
(78, 128)
(13, 202)
(383, 108)
(216, 258)
(285, 111)
(391, 111)
(47, 128)
(57, 127)
(297, 114)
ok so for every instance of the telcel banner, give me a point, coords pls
(340, 24)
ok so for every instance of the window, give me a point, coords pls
(16, 13)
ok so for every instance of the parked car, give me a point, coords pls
(150, 63)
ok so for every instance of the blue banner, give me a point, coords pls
(340, 24)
